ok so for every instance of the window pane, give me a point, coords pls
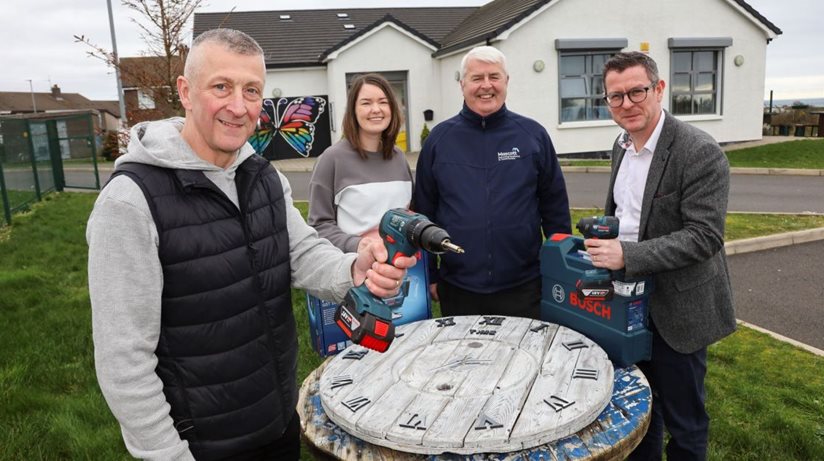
(145, 99)
(571, 87)
(682, 62)
(598, 62)
(704, 61)
(704, 104)
(582, 86)
(681, 104)
(573, 110)
(705, 82)
(681, 83)
(573, 65)
(597, 86)
(600, 110)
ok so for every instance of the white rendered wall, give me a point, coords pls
(296, 82)
(536, 94)
(451, 96)
(388, 50)
(431, 83)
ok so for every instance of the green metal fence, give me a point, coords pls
(42, 154)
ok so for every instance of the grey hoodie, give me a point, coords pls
(126, 282)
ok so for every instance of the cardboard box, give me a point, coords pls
(329, 339)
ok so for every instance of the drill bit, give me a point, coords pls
(447, 245)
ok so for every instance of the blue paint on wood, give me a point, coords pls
(629, 405)
(571, 448)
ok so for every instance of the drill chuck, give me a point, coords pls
(435, 240)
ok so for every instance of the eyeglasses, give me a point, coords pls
(635, 95)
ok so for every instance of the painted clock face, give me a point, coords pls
(468, 385)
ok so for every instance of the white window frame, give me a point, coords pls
(145, 99)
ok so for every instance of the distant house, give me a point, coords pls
(147, 91)
(711, 53)
(19, 102)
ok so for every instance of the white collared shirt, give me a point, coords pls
(628, 191)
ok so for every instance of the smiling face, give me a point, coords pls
(372, 111)
(484, 86)
(222, 97)
(638, 118)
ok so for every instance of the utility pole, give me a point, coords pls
(123, 121)
(33, 102)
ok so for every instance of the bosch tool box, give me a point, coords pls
(618, 323)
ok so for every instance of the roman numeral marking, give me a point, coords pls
(355, 355)
(558, 403)
(356, 404)
(585, 373)
(540, 327)
(485, 422)
(415, 422)
(445, 322)
(497, 321)
(340, 381)
(571, 346)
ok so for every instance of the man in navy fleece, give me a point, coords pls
(491, 178)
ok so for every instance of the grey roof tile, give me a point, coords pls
(308, 36)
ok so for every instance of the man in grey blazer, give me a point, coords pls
(669, 188)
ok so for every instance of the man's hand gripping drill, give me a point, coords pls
(367, 319)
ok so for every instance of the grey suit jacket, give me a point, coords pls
(681, 237)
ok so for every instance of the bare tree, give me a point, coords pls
(164, 27)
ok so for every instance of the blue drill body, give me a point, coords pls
(364, 317)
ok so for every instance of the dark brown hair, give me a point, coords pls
(623, 61)
(351, 129)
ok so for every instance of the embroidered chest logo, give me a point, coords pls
(513, 154)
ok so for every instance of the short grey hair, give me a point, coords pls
(234, 40)
(488, 54)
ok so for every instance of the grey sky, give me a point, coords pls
(38, 45)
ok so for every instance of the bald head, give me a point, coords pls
(230, 39)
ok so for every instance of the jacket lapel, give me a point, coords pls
(656, 171)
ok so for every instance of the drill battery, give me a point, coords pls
(328, 338)
(618, 324)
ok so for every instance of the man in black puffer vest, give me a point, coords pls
(194, 245)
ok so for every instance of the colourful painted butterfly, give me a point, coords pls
(294, 120)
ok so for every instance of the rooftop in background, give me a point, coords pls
(147, 71)
(303, 38)
(20, 102)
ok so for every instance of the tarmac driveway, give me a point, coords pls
(782, 290)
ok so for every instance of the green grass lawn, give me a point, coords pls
(766, 398)
(808, 153)
(803, 154)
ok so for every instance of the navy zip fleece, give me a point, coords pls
(494, 183)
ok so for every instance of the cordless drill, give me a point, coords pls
(367, 319)
(597, 283)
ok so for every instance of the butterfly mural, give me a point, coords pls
(292, 120)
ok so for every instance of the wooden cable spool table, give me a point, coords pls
(476, 387)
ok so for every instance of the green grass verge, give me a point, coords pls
(808, 153)
(766, 398)
(802, 154)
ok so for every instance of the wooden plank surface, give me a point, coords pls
(612, 436)
(477, 384)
